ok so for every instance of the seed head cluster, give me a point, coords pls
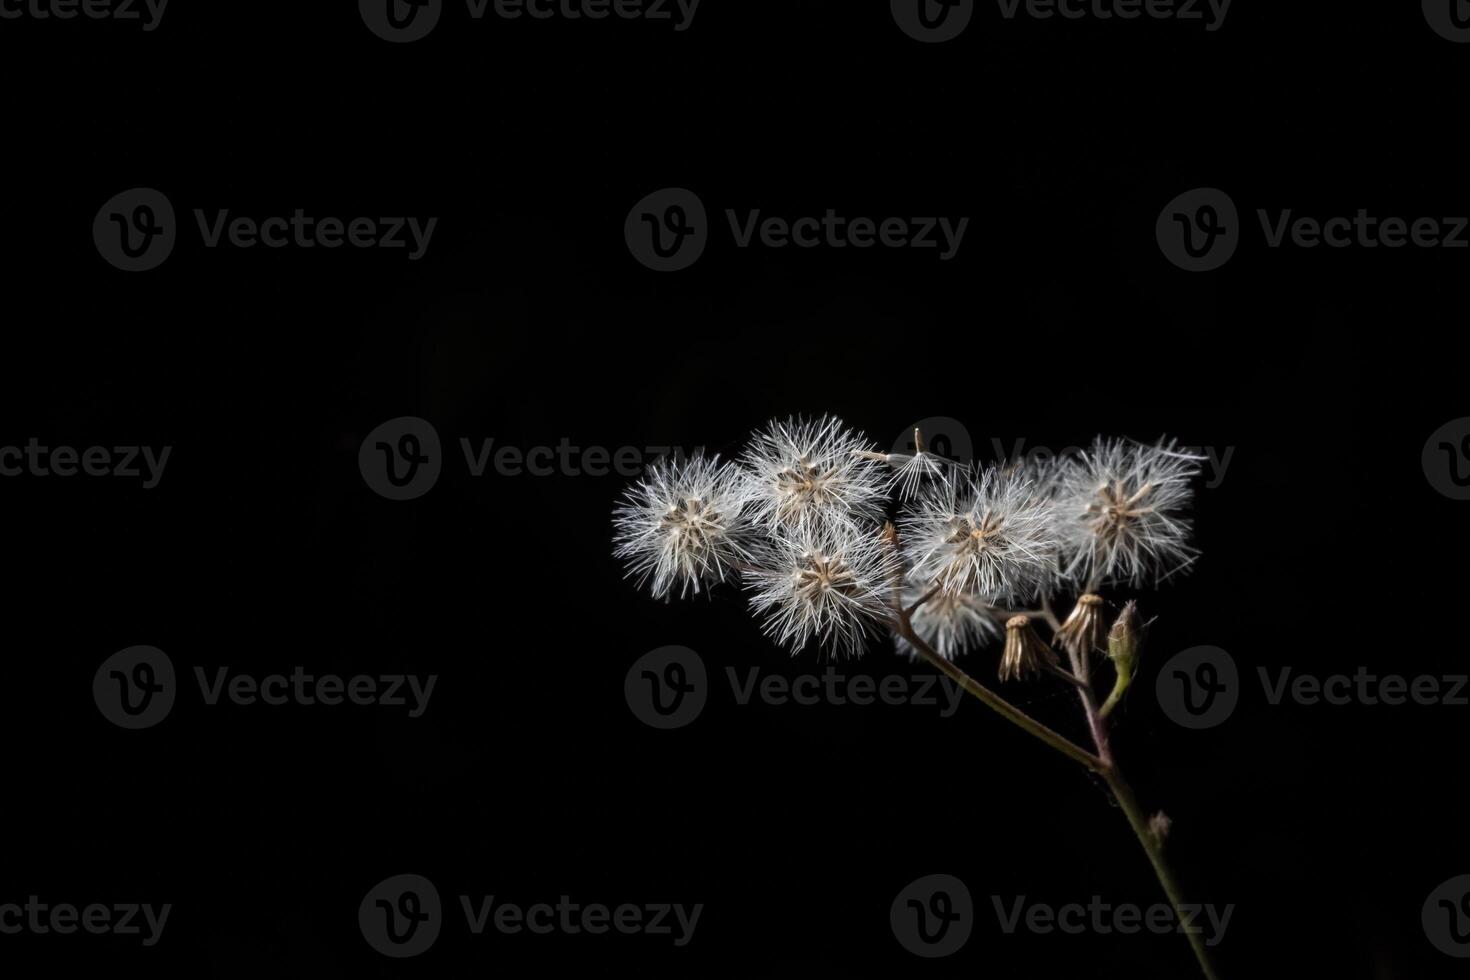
(799, 521)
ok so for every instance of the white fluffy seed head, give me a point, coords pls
(832, 585)
(950, 623)
(985, 533)
(683, 526)
(813, 476)
(1123, 508)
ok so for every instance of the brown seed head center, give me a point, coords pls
(820, 573)
(1115, 508)
(693, 524)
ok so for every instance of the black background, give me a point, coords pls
(528, 321)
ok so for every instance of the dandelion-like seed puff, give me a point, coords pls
(683, 526)
(832, 586)
(986, 534)
(950, 623)
(811, 476)
(1122, 505)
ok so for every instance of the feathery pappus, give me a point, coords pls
(833, 585)
(982, 532)
(811, 475)
(1123, 507)
(683, 526)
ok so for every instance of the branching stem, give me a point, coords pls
(1102, 763)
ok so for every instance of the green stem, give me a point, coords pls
(999, 704)
(1102, 763)
(1120, 685)
(1155, 850)
(1123, 793)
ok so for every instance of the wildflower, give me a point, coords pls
(813, 475)
(683, 525)
(832, 585)
(951, 623)
(1122, 506)
(1024, 653)
(989, 536)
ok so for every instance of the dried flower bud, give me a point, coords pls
(1025, 653)
(1084, 630)
(1123, 639)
